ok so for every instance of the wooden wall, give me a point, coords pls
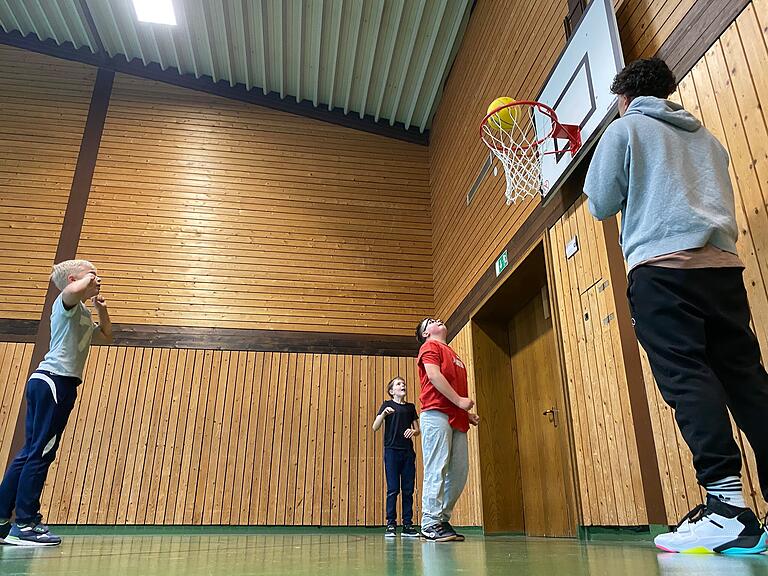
(44, 104)
(218, 437)
(210, 212)
(607, 464)
(469, 509)
(468, 239)
(14, 361)
(728, 91)
(644, 25)
(489, 64)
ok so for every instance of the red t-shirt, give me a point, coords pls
(451, 366)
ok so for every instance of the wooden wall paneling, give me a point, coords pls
(45, 105)
(262, 377)
(188, 406)
(248, 442)
(123, 422)
(201, 418)
(491, 222)
(582, 394)
(293, 423)
(169, 479)
(280, 225)
(572, 370)
(603, 428)
(14, 362)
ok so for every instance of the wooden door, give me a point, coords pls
(542, 429)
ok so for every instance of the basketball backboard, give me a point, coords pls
(578, 89)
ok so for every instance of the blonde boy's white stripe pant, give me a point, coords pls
(446, 466)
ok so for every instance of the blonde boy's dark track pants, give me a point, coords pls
(50, 399)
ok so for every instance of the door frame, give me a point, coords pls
(570, 473)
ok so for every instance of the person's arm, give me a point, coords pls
(441, 384)
(75, 291)
(379, 420)
(414, 430)
(103, 335)
(607, 180)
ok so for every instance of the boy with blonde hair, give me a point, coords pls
(50, 394)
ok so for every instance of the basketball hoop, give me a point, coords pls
(513, 138)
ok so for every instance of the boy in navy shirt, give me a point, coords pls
(401, 424)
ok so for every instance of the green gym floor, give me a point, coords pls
(362, 552)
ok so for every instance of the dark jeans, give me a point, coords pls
(694, 325)
(50, 400)
(400, 468)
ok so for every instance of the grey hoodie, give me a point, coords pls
(668, 176)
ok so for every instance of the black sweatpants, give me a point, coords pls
(694, 325)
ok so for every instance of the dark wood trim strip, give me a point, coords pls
(156, 336)
(264, 340)
(222, 88)
(12, 330)
(638, 399)
(72, 224)
(699, 29)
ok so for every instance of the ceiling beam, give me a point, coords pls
(188, 35)
(299, 25)
(41, 8)
(411, 42)
(60, 14)
(336, 26)
(399, 19)
(317, 39)
(355, 44)
(94, 33)
(223, 9)
(424, 63)
(260, 30)
(438, 79)
(205, 84)
(246, 43)
(368, 66)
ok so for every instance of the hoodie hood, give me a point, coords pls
(664, 110)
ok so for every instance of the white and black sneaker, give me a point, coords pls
(391, 531)
(438, 533)
(31, 535)
(5, 528)
(716, 527)
(410, 531)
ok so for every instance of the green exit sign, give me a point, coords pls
(501, 263)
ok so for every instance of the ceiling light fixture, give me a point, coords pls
(155, 11)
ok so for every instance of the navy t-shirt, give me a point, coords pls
(396, 424)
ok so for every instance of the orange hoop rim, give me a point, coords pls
(569, 132)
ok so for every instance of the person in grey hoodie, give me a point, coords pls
(668, 176)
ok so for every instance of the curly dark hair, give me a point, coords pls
(651, 77)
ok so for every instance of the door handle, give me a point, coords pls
(552, 415)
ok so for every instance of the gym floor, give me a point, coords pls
(359, 552)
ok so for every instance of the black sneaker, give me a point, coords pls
(31, 535)
(5, 528)
(410, 531)
(448, 528)
(391, 531)
(437, 533)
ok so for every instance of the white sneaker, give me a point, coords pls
(716, 527)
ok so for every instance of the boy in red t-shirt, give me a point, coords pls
(445, 420)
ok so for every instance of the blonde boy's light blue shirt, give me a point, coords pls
(71, 333)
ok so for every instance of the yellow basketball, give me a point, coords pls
(503, 119)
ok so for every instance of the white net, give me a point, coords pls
(510, 134)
